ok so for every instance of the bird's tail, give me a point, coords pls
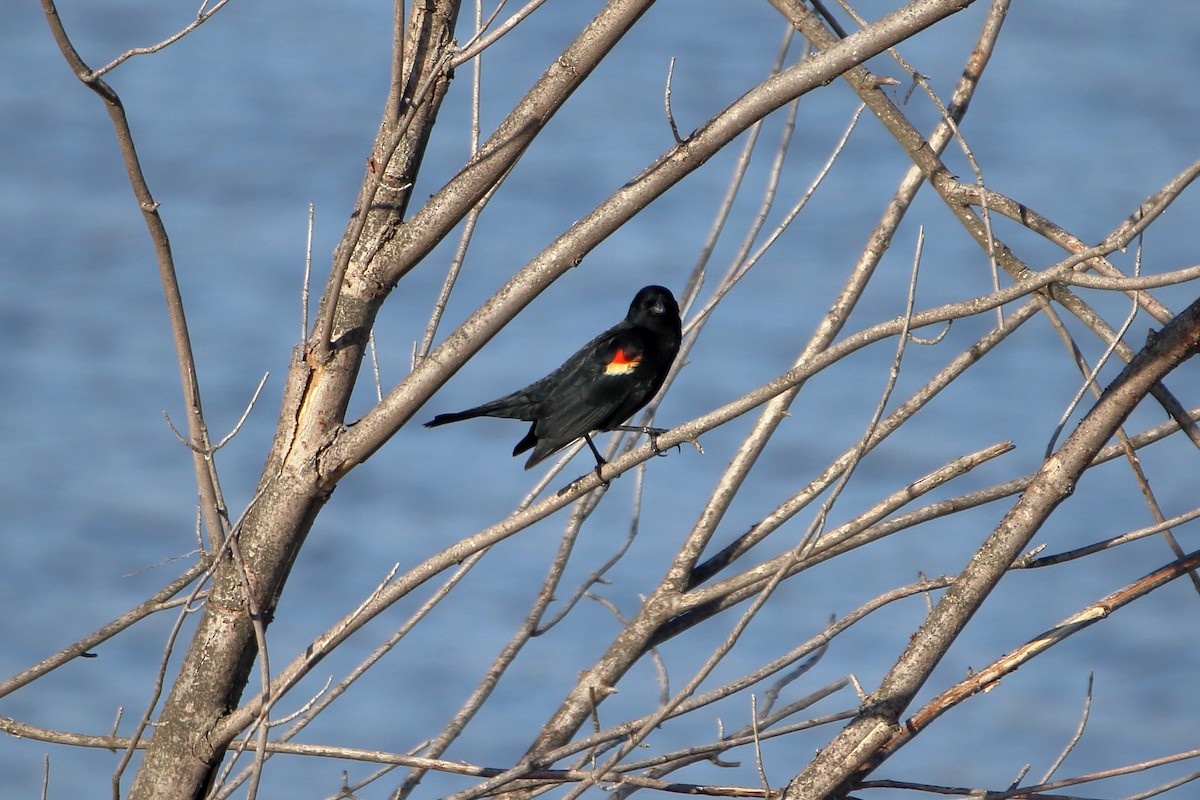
(442, 419)
(513, 406)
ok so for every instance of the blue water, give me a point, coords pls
(1086, 110)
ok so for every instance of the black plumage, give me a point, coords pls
(598, 388)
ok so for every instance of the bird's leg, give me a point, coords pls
(600, 462)
(652, 433)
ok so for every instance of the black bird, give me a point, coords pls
(598, 388)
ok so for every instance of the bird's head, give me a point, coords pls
(653, 305)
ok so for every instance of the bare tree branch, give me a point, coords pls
(1055, 481)
(212, 504)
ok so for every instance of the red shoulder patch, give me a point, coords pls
(622, 363)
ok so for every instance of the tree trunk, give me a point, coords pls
(249, 575)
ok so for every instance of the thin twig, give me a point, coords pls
(721, 217)
(153, 604)
(203, 16)
(861, 449)
(1083, 720)
(1089, 380)
(758, 759)
(208, 485)
(597, 575)
(246, 413)
(375, 365)
(479, 43)
(304, 291)
(667, 102)
(472, 218)
(1107, 544)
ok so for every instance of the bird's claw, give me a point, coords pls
(651, 433)
(654, 433)
(605, 484)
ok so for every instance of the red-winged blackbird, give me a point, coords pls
(599, 387)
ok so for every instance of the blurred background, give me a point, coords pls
(1085, 111)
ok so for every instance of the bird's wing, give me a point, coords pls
(601, 388)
